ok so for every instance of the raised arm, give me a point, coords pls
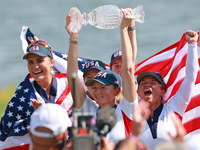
(184, 94)
(72, 65)
(133, 40)
(128, 57)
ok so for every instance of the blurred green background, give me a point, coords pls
(6, 94)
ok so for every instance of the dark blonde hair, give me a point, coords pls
(120, 95)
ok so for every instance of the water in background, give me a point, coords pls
(165, 22)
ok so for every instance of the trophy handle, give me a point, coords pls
(138, 14)
(77, 19)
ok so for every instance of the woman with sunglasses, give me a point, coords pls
(39, 87)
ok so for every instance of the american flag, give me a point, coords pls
(16, 118)
(164, 62)
(171, 62)
(15, 121)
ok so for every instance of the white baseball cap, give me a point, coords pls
(51, 116)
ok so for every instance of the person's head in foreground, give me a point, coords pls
(90, 69)
(151, 87)
(48, 127)
(105, 87)
(116, 62)
(40, 61)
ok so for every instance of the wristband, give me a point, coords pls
(73, 41)
(131, 28)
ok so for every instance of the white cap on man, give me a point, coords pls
(51, 116)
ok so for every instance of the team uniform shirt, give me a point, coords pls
(16, 119)
(124, 111)
(156, 130)
(59, 92)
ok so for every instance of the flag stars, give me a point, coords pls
(28, 113)
(15, 94)
(18, 117)
(64, 56)
(16, 130)
(79, 59)
(0, 133)
(11, 104)
(23, 128)
(22, 99)
(19, 87)
(10, 114)
(20, 108)
(28, 127)
(26, 90)
(30, 104)
(9, 124)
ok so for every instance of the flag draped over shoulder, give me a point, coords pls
(171, 62)
(16, 119)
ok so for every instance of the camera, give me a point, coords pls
(88, 131)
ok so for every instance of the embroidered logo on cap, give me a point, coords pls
(118, 54)
(101, 74)
(91, 63)
(34, 48)
(116, 82)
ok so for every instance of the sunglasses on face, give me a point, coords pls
(40, 43)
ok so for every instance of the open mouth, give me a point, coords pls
(147, 92)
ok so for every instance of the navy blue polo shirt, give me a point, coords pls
(153, 122)
(43, 93)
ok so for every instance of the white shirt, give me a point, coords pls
(61, 87)
(178, 103)
(124, 113)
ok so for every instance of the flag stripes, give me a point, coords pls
(171, 63)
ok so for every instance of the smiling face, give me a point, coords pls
(40, 67)
(116, 65)
(90, 74)
(151, 90)
(104, 94)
